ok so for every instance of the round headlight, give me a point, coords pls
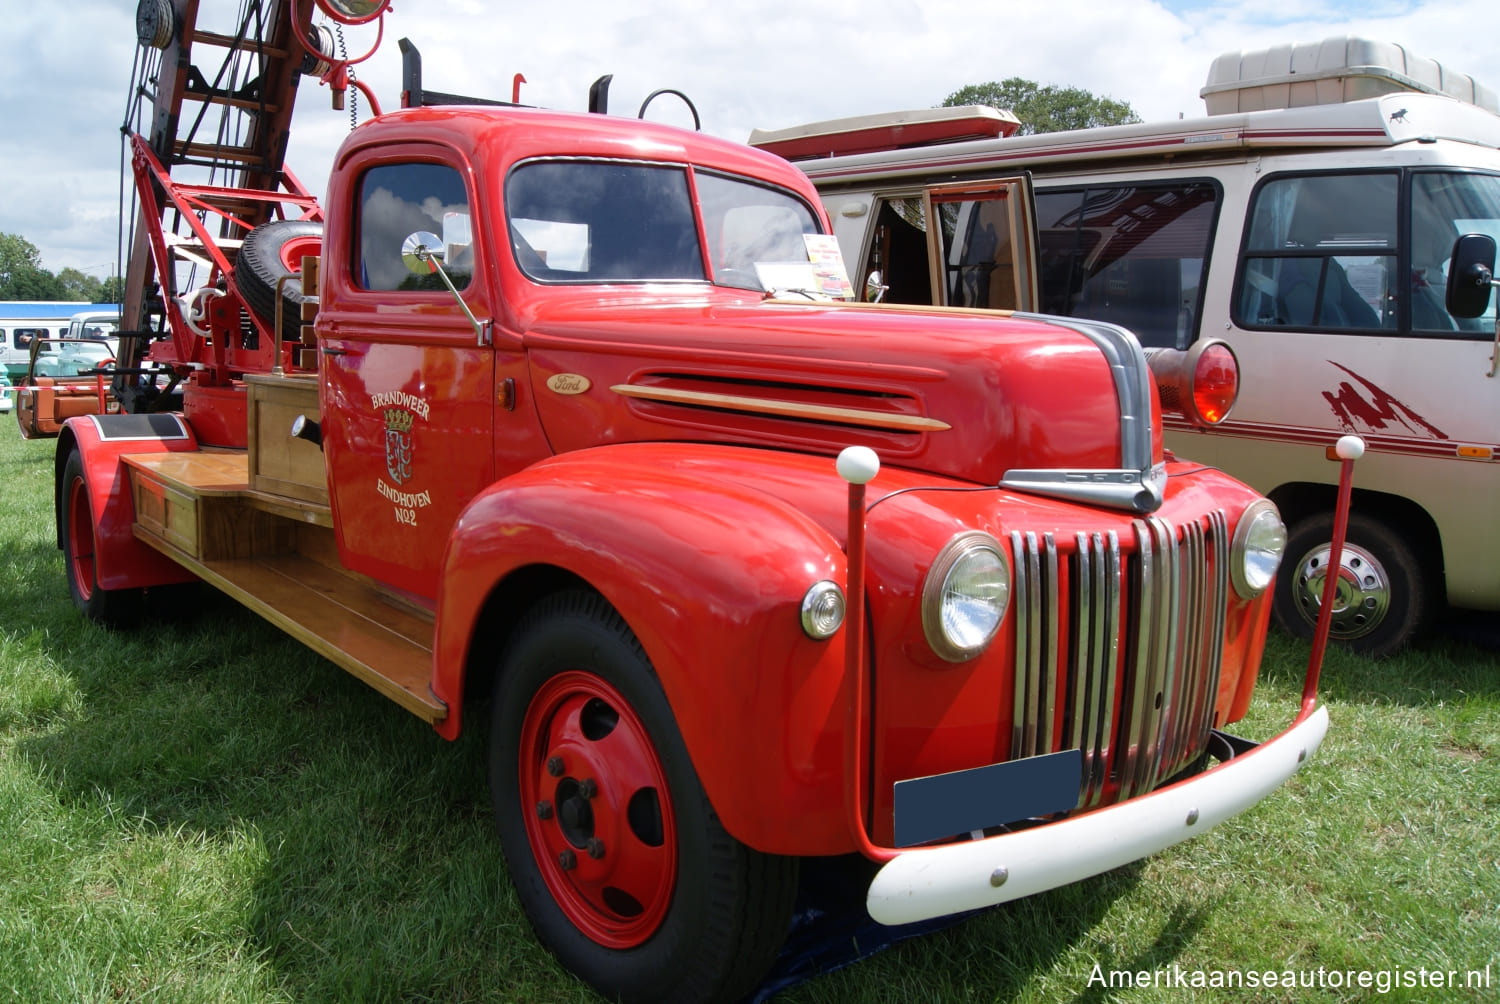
(822, 610)
(1259, 542)
(965, 596)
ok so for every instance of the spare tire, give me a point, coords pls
(271, 251)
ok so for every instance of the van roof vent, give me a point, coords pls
(1332, 71)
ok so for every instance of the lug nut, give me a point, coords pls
(567, 860)
(544, 810)
(587, 788)
(555, 766)
(596, 848)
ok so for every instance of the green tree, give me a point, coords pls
(1045, 108)
(27, 282)
(16, 255)
(78, 285)
(21, 274)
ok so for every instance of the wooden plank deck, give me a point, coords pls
(342, 616)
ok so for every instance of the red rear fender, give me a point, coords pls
(121, 561)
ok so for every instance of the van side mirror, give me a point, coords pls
(1471, 273)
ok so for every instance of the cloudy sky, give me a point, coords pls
(770, 64)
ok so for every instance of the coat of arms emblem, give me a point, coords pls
(398, 446)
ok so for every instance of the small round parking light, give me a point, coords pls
(822, 610)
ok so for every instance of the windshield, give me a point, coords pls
(607, 221)
(758, 234)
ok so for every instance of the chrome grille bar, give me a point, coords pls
(1213, 598)
(1096, 591)
(1027, 612)
(1035, 704)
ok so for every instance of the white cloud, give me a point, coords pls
(770, 65)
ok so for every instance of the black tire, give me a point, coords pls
(712, 913)
(1384, 600)
(264, 259)
(110, 607)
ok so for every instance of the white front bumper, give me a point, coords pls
(937, 881)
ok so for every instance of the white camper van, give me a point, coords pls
(1308, 221)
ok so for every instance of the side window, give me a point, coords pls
(1444, 206)
(397, 200)
(1320, 253)
(1133, 255)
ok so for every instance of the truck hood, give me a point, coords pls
(1040, 404)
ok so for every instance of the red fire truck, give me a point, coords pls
(749, 575)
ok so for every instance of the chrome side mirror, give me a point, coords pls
(875, 287)
(423, 253)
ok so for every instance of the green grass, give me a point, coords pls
(201, 810)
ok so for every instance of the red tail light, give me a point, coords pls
(1200, 384)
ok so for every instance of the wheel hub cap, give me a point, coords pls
(1362, 593)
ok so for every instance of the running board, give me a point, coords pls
(198, 510)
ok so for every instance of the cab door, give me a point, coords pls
(407, 377)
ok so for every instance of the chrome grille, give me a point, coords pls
(1117, 654)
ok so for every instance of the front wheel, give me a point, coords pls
(616, 854)
(112, 607)
(1382, 600)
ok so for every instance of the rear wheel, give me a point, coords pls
(617, 856)
(113, 607)
(1382, 601)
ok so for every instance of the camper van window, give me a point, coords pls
(1134, 255)
(1444, 206)
(1321, 254)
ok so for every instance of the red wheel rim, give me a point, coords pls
(81, 539)
(295, 247)
(598, 810)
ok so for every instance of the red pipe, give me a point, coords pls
(857, 468)
(1348, 450)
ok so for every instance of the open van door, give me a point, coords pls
(980, 253)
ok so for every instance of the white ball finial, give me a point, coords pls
(858, 464)
(1350, 448)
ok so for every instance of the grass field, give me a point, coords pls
(201, 810)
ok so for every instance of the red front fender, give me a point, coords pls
(710, 574)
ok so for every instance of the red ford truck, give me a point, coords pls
(743, 575)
